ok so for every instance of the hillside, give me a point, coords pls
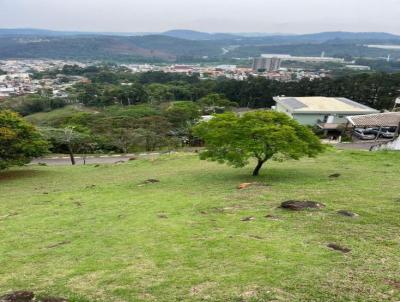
(199, 36)
(103, 235)
(184, 45)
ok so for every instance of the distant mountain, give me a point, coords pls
(53, 33)
(326, 36)
(30, 32)
(199, 36)
(185, 45)
(140, 48)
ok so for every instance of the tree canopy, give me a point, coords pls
(19, 140)
(234, 139)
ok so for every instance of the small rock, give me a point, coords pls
(339, 248)
(244, 185)
(132, 158)
(296, 205)
(272, 217)
(58, 244)
(151, 181)
(18, 296)
(250, 218)
(347, 213)
(336, 175)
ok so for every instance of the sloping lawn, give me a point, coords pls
(98, 234)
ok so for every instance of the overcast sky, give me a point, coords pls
(286, 16)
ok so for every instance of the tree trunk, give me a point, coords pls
(71, 155)
(256, 171)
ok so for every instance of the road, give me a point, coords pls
(64, 160)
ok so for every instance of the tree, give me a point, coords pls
(123, 138)
(259, 134)
(72, 137)
(159, 93)
(19, 140)
(215, 103)
(181, 114)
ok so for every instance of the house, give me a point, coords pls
(328, 113)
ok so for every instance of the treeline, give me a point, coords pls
(117, 111)
(373, 89)
(108, 87)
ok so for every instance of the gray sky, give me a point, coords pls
(290, 16)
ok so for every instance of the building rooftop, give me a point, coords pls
(389, 119)
(320, 104)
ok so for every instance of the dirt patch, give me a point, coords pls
(339, 248)
(347, 213)
(151, 181)
(18, 296)
(244, 185)
(148, 182)
(53, 299)
(251, 184)
(250, 218)
(256, 237)
(250, 294)
(393, 283)
(296, 205)
(28, 296)
(52, 246)
(162, 216)
(202, 288)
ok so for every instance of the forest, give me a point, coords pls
(117, 111)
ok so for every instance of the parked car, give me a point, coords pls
(385, 132)
(364, 134)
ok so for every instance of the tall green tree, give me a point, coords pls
(260, 134)
(19, 140)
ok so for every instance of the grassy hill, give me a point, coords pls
(99, 234)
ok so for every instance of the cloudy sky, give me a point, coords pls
(286, 16)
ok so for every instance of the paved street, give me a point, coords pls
(103, 159)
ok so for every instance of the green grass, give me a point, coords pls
(116, 247)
